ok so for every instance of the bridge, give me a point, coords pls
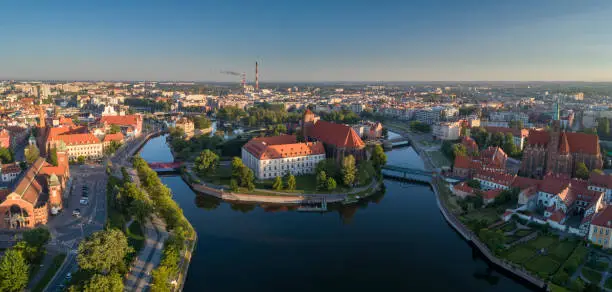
(408, 173)
(165, 166)
(396, 142)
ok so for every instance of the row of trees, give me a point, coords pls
(169, 266)
(485, 139)
(420, 127)
(343, 116)
(288, 184)
(16, 262)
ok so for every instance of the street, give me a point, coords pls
(67, 230)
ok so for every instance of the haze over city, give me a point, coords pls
(307, 41)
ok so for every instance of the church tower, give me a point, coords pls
(553, 147)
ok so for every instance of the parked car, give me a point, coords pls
(84, 201)
(68, 276)
(76, 213)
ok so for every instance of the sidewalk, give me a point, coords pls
(140, 265)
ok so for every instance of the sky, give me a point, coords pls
(307, 41)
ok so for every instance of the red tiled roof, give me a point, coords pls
(525, 182)
(553, 184)
(583, 143)
(538, 137)
(113, 137)
(275, 149)
(341, 136)
(515, 132)
(603, 218)
(28, 187)
(120, 120)
(601, 180)
(74, 139)
(557, 216)
(501, 178)
(462, 162)
(463, 187)
(491, 194)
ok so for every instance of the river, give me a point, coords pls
(395, 241)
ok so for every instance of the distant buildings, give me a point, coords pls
(447, 130)
(187, 126)
(131, 125)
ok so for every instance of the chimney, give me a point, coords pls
(256, 76)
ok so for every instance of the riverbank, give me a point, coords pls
(279, 197)
(469, 236)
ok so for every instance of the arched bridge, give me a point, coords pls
(165, 166)
(408, 173)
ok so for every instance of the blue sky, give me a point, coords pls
(333, 40)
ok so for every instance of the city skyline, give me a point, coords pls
(393, 41)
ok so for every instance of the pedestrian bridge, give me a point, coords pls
(407, 173)
(165, 166)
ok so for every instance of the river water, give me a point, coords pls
(395, 241)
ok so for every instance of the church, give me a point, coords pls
(559, 151)
(339, 140)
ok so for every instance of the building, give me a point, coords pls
(602, 183)
(491, 159)
(86, 145)
(5, 139)
(109, 138)
(187, 126)
(131, 125)
(37, 193)
(559, 152)
(369, 130)
(600, 230)
(447, 131)
(10, 171)
(339, 140)
(270, 157)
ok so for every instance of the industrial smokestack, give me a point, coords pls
(256, 76)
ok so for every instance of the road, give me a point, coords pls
(67, 230)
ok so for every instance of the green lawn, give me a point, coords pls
(542, 242)
(304, 184)
(489, 214)
(520, 254)
(51, 270)
(522, 233)
(543, 264)
(438, 159)
(562, 250)
(135, 236)
(556, 288)
(508, 226)
(598, 265)
(221, 176)
(591, 275)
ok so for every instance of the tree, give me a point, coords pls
(14, 271)
(114, 129)
(201, 122)
(329, 166)
(458, 150)
(379, 158)
(278, 183)
(102, 251)
(111, 282)
(81, 159)
(603, 127)
(31, 154)
(365, 171)
(141, 208)
(472, 183)
(494, 239)
(37, 237)
(53, 156)
(509, 147)
(207, 162)
(236, 166)
(299, 134)
(160, 279)
(291, 183)
(233, 185)
(481, 136)
(331, 184)
(321, 180)
(6, 155)
(349, 170)
(582, 171)
(497, 139)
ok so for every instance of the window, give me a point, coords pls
(595, 229)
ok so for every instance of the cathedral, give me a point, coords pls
(559, 152)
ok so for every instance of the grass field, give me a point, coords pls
(591, 275)
(523, 232)
(608, 284)
(438, 159)
(543, 264)
(488, 214)
(542, 242)
(520, 254)
(598, 265)
(561, 251)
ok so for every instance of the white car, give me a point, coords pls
(76, 213)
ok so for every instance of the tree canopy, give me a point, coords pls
(207, 162)
(379, 158)
(31, 153)
(582, 171)
(349, 170)
(103, 251)
(14, 271)
(111, 282)
(6, 155)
